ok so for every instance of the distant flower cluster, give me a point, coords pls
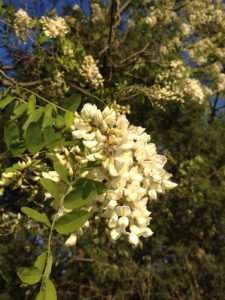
(90, 72)
(173, 84)
(58, 84)
(54, 27)
(22, 24)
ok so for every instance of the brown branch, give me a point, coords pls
(120, 11)
(9, 81)
(135, 54)
(213, 112)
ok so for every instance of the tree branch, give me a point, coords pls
(213, 113)
(9, 81)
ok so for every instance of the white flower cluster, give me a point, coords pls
(221, 82)
(90, 72)
(15, 176)
(68, 51)
(54, 27)
(203, 13)
(8, 221)
(186, 29)
(131, 167)
(173, 84)
(98, 13)
(58, 84)
(165, 15)
(22, 23)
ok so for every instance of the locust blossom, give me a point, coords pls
(54, 27)
(22, 24)
(90, 72)
(133, 171)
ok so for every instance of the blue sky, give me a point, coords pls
(44, 5)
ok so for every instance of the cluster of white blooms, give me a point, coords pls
(131, 168)
(170, 46)
(54, 27)
(15, 176)
(194, 88)
(22, 23)
(98, 13)
(164, 15)
(8, 221)
(90, 72)
(68, 51)
(173, 84)
(203, 13)
(201, 50)
(221, 83)
(186, 29)
(58, 84)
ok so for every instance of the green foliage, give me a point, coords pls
(86, 190)
(29, 275)
(42, 218)
(71, 221)
(48, 292)
(40, 262)
(50, 187)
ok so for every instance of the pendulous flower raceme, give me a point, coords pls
(130, 167)
(90, 72)
(54, 27)
(22, 24)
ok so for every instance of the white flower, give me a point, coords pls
(71, 241)
(52, 175)
(115, 234)
(133, 239)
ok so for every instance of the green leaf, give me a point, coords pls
(86, 190)
(36, 215)
(48, 291)
(20, 109)
(50, 187)
(33, 117)
(60, 122)
(62, 171)
(33, 138)
(52, 138)
(40, 296)
(29, 275)
(41, 261)
(13, 168)
(11, 133)
(48, 121)
(6, 101)
(69, 118)
(78, 198)
(18, 147)
(12, 138)
(72, 103)
(71, 221)
(31, 103)
(87, 183)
